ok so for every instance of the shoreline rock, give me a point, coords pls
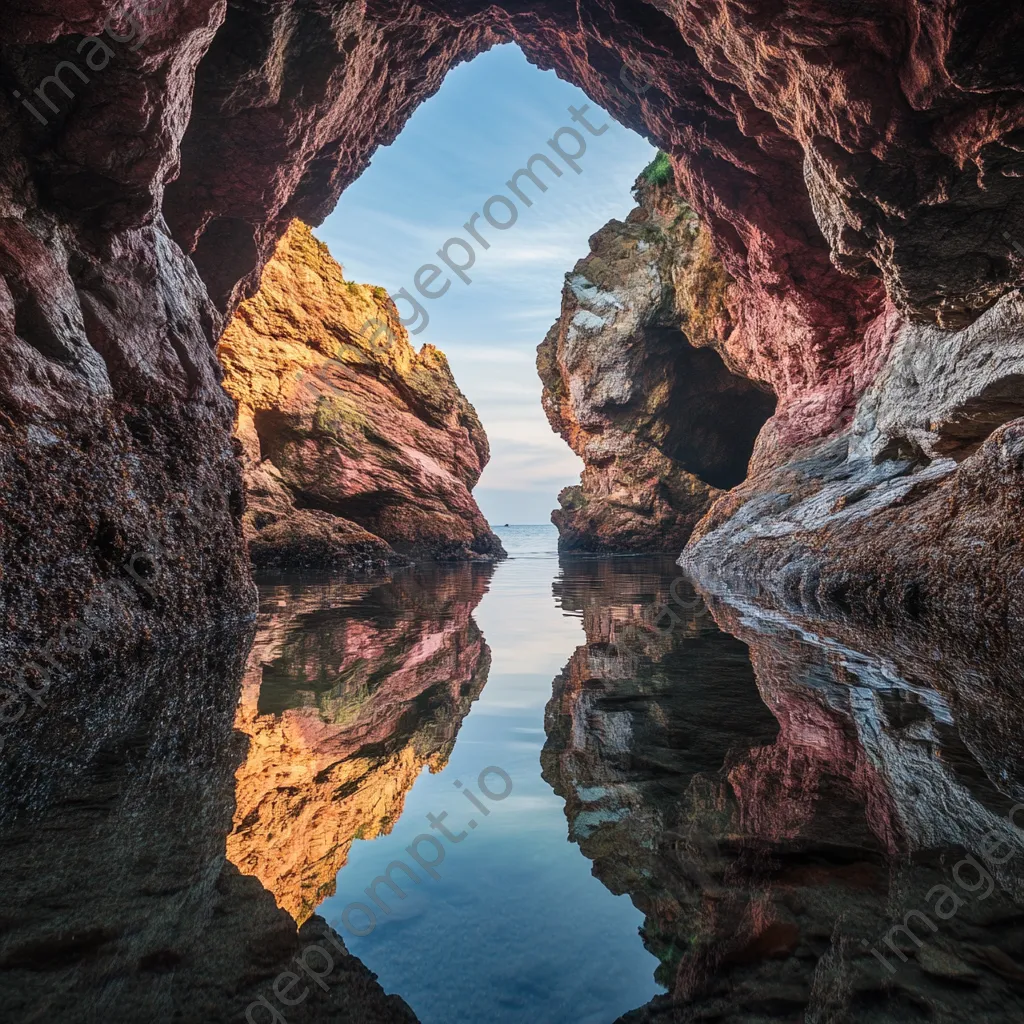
(356, 451)
(635, 385)
(859, 178)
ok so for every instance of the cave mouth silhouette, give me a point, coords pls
(474, 203)
(717, 415)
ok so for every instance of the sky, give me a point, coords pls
(458, 149)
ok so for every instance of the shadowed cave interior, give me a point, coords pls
(794, 369)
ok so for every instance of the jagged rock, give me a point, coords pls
(632, 384)
(352, 441)
(859, 175)
(907, 513)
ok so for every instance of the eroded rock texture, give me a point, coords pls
(633, 383)
(770, 858)
(354, 445)
(910, 514)
(858, 167)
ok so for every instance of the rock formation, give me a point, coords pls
(350, 691)
(119, 903)
(770, 859)
(633, 384)
(857, 167)
(354, 445)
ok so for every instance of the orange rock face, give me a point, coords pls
(355, 446)
(342, 714)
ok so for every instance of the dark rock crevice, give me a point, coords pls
(635, 382)
(715, 417)
(857, 176)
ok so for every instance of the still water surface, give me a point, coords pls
(735, 816)
(517, 928)
(717, 812)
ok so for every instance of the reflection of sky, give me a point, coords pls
(516, 928)
(458, 149)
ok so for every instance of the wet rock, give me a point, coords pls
(905, 514)
(943, 964)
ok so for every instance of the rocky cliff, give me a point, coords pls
(354, 446)
(633, 383)
(857, 167)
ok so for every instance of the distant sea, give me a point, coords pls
(529, 541)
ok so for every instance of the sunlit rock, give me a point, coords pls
(354, 445)
(634, 384)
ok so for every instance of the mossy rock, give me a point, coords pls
(338, 415)
(571, 498)
(658, 171)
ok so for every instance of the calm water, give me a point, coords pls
(717, 808)
(516, 928)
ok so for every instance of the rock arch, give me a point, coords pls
(855, 174)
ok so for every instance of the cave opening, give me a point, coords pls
(855, 172)
(717, 415)
(470, 220)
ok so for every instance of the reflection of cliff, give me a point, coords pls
(768, 862)
(116, 901)
(351, 690)
(634, 718)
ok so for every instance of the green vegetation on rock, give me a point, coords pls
(658, 171)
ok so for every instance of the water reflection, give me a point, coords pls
(116, 901)
(788, 806)
(776, 859)
(515, 928)
(351, 689)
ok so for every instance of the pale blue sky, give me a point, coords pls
(458, 149)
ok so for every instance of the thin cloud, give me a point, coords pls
(458, 149)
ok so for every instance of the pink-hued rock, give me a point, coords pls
(858, 170)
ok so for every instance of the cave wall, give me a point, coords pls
(857, 165)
